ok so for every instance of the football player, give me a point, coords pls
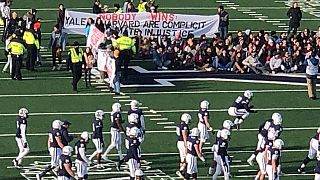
(274, 124)
(132, 157)
(317, 169)
(221, 155)
(21, 137)
(82, 162)
(97, 138)
(193, 152)
(273, 159)
(203, 124)
(65, 172)
(135, 110)
(183, 131)
(227, 125)
(314, 149)
(55, 147)
(241, 109)
(116, 128)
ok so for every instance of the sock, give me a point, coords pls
(256, 178)
(210, 170)
(252, 157)
(93, 155)
(305, 162)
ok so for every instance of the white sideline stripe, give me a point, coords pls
(165, 123)
(125, 100)
(222, 91)
(169, 127)
(158, 119)
(163, 111)
(152, 115)
(121, 97)
(41, 78)
(254, 14)
(225, 110)
(53, 95)
(158, 131)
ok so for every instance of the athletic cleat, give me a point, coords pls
(15, 162)
(238, 127)
(105, 158)
(178, 173)
(301, 170)
(250, 162)
(38, 176)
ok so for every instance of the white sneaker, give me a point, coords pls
(178, 173)
(15, 162)
(53, 68)
(164, 68)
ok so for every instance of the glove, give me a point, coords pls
(25, 145)
(144, 131)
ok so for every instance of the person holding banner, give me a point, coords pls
(127, 47)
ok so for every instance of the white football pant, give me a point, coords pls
(221, 168)
(114, 143)
(182, 151)
(22, 151)
(55, 154)
(203, 132)
(82, 168)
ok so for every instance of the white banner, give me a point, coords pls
(148, 23)
(94, 39)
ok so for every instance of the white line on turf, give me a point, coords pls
(158, 119)
(165, 123)
(53, 95)
(166, 131)
(152, 115)
(247, 170)
(169, 127)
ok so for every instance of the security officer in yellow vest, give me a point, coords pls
(31, 41)
(76, 59)
(127, 47)
(142, 6)
(16, 49)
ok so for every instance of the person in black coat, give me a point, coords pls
(224, 22)
(295, 15)
(97, 7)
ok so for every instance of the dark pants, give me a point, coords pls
(54, 56)
(223, 32)
(124, 60)
(16, 67)
(31, 57)
(87, 76)
(294, 30)
(4, 29)
(76, 72)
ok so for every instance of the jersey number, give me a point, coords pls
(189, 144)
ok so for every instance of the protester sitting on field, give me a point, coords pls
(274, 66)
(158, 60)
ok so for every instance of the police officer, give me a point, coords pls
(65, 137)
(126, 46)
(76, 59)
(142, 6)
(16, 49)
(30, 38)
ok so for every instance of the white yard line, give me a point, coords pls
(167, 131)
(53, 95)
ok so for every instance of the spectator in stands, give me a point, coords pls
(224, 22)
(117, 8)
(55, 46)
(295, 15)
(253, 63)
(100, 25)
(274, 66)
(158, 60)
(142, 6)
(224, 62)
(288, 65)
(96, 8)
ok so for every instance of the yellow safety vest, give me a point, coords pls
(142, 7)
(76, 58)
(123, 43)
(29, 38)
(17, 48)
(119, 11)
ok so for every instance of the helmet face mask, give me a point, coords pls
(99, 114)
(277, 118)
(227, 124)
(23, 112)
(134, 104)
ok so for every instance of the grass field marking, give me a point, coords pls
(120, 97)
(125, 100)
(165, 131)
(158, 119)
(152, 115)
(169, 127)
(165, 123)
(53, 95)
(219, 91)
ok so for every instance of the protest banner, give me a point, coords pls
(95, 37)
(149, 24)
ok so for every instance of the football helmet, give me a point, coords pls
(67, 150)
(85, 135)
(99, 114)
(224, 133)
(138, 173)
(195, 132)
(227, 124)
(116, 107)
(56, 124)
(23, 112)
(277, 118)
(204, 104)
(133, 118)
(134, 104)
(248, 94)
(134, 132)
(185, 117)
(278, 143)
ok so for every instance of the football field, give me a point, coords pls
(48, 96)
